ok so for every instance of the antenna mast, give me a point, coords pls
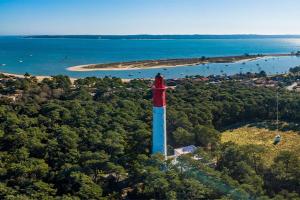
(277, 110)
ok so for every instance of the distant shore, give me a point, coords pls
(160, 37)
(167, 63)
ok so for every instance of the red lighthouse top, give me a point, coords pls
(159, 91)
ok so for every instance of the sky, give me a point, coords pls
(38, 17)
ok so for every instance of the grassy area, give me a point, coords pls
(249, 134)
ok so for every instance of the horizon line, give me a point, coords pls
(146, 34)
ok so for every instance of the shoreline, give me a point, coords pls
(93, 67)
(41, 77)
(168, 63)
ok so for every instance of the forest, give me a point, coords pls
(91, 139)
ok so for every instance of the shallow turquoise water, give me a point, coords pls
(53, 56)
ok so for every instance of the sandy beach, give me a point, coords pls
(39, 78)
(169, 63)
(138, 65)
(86, 68)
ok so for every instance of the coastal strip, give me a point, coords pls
(166, 63)
(41, 78)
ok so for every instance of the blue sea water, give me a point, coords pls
(52, 56)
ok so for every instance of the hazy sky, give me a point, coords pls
(149, 17)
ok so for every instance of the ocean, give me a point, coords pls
(51, 56)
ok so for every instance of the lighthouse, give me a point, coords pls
(159, 135)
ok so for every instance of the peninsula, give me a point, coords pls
(164, 63)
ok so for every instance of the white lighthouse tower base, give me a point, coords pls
(159, 131)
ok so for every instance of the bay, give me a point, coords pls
(51, 56)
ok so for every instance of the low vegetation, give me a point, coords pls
(253, 134)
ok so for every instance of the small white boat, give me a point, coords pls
(20, 61)
(3, 64)
(30, 55)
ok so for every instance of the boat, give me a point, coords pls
(20, 61)
(3, 64)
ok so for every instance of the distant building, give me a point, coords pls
(184, 150)
(202, 79)
(13, 97)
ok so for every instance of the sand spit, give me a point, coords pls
(167, 63)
